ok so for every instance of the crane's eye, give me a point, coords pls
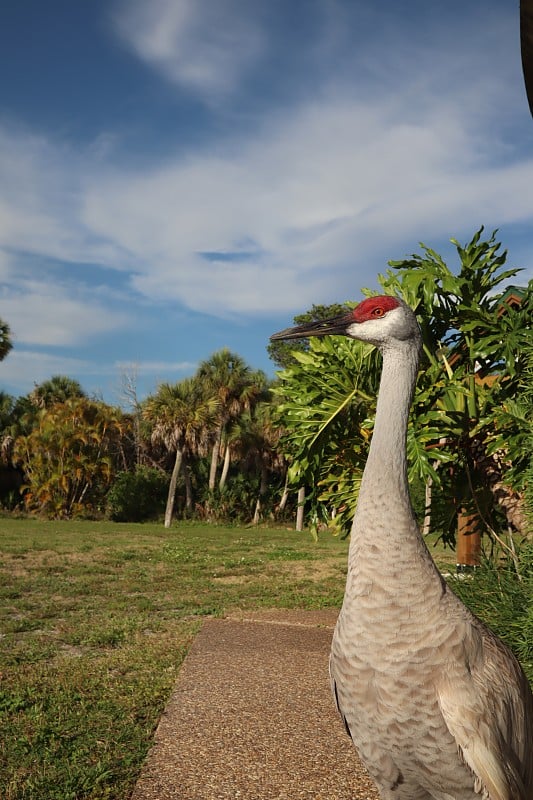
(378, 312)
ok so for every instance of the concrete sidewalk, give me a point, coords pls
(252, 717)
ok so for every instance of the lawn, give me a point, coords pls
(95, 620)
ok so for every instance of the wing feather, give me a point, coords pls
(487, 706)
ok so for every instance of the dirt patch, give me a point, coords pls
(234, 580)
(20, 566)
(318, 570)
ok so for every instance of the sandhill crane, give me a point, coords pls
(437, 706)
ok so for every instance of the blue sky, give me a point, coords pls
(178, 176)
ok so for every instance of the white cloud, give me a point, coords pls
(333, 188)
(41, 195)
(328, 187)
(313, 202)
(51, 314)
(199, 44)
(154, 367)
(23, 369)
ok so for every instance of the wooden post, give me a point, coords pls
(300, 509)
(468, 550)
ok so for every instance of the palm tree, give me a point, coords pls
(179, 414)
(10, 475)
(6, 344)
(255, 438)
(56, 389)
(226, 376)
(7, 404)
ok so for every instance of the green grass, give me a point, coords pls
(95, 620)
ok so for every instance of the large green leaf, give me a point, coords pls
(473, 363)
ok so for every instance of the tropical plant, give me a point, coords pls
(70, 457)
(226, 376)
(475, 349)
(327, 400)
(180, 415)
(10, 476)
(56, 389)
(137, 495)
(6, 344)
(254, 438)
(16, 419)
(473, 359)
(7, 404)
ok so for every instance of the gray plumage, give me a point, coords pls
(437, 706)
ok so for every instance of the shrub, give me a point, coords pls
(137, 496)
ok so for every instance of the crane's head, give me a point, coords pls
(379, 320)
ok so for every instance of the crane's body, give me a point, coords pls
(437, 707)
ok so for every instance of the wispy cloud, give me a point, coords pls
(42, 184)
(373, 143)
(336, 182)
(201, 45)
(155, 367)
(27, 368)
(52, 314)
(325, 189)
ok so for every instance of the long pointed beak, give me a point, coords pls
(323, 327)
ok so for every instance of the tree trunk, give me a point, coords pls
(468, 552)
(300, 509)
(426, 528)
(188, 487)
(262, 491)
(225, 468)
(172, 488)
(285, 495)
(214, 460)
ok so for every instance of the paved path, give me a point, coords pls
(252, 717)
